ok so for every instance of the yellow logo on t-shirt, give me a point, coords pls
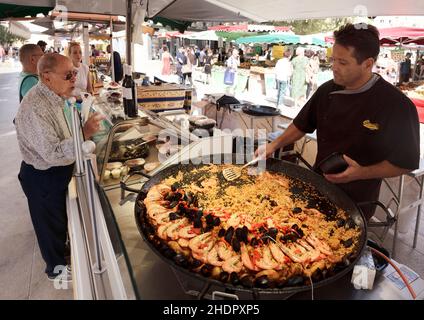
(369, 125)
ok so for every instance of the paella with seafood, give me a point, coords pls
(258, 230)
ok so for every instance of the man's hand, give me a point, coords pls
(353, 172)
(92, 125)
(265, 151)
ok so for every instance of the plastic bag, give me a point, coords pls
(229, 77)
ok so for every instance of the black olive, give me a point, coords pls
(262, 230)
(254, 242)
(229, 235)
(196, 263)
(234, 278)
(317, 275)
(168, 196)
(296, 210)
(173, 216)
(169, 253)
(197, 223)
(208, 228)
(223, 276)
(294, 281)
(181, 208)
(177, 196)
(273, 203)
(281, 283)
(350, 224)
(247, 281)
(221, 232)
(347, 243)
(181, 260)
(235, 244)
(209, 219)
(206, 270)
(272, 232)
(174, 187)
(238, 234)
(244, 233)
(216, 221)
(262, 282)
(340, 223)
(173, 204)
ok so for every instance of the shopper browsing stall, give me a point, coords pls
(83, 81)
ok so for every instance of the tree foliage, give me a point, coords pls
(7, 38)
(312, 26)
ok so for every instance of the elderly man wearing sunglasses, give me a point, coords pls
(47, 150)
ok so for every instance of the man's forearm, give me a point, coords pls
(290, 135)
(383, 169)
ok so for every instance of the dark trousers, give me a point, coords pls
(46, 194)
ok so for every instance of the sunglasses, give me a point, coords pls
(68, 76)
(71, 74)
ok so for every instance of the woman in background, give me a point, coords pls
(166, 61)
(83, 81)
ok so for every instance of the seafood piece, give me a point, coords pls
(173, 231)
(296, 252)
(319, 244)
(162, 218)
(265, 260)
(224, 250)
(271, 274)
(187, 232)
(314, 253)
(201, 256)
(213, 257)
(246, 258)
(162, 230)
(234, 220)
(183, 242)
(233, 264)
(202, 243)
(278, 254)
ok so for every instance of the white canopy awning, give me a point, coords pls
(239, 10)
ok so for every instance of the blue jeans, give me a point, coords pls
(281, 90)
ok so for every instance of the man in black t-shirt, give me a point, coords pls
(360, 115)
(117, 64)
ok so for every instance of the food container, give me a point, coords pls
(135, 164)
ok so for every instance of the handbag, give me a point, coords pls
(229, 76)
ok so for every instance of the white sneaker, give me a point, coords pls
(65, 275)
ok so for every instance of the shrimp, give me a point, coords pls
(162, 230)
(245, 258)
(187, 232)
(183, 242)
(313, 253)
(213, 257)
(173, 231)
(224, 250)
(233, 264)
(202, 243)
(319, 244)
(162, 218)
(278, 255)
(266, 261)
(296, 252)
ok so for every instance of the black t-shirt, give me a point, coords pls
(370, 125)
